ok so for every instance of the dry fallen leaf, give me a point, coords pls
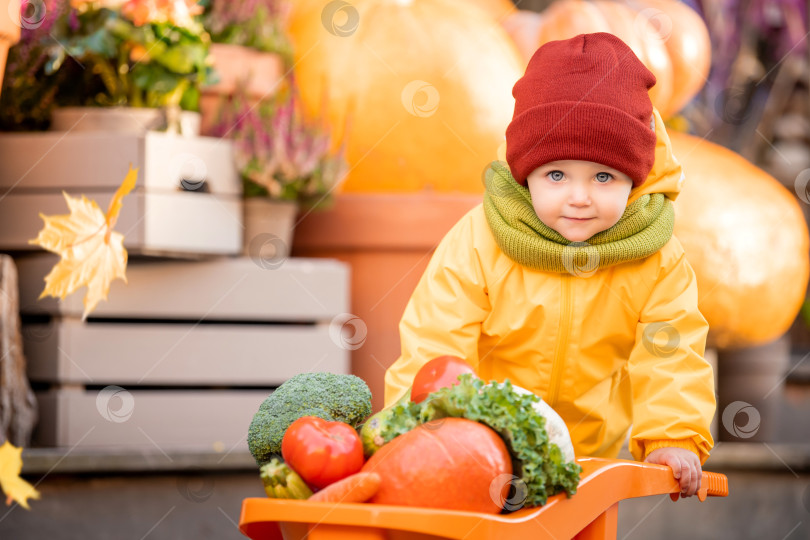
(91, 252)
(12, 485)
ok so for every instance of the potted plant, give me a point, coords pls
(285, 161)
(150, 56)
(249, 49)
(28, 93)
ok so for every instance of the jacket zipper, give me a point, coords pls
(566, 316)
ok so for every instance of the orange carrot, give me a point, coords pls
(355, 488)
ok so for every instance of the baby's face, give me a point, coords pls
(578, 198)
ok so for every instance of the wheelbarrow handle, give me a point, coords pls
(712, 485)
(643, 479)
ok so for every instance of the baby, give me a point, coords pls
(567, 280)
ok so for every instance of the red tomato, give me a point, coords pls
(322, 452)
(438, 373)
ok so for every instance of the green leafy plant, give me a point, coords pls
(138, 53)
(258, 24)
(279, 153)
(29, 93)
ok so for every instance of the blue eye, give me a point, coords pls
(603, 177)
(556, 176)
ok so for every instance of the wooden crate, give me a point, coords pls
(69, 351)
(146, 419)
(183, 354)
(187, 201)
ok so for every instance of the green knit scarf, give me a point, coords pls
(643, 229)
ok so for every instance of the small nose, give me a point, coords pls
(579, 194)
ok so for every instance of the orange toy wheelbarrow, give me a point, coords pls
(589, 515)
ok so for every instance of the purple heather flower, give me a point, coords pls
(276, 147)
(73, 20)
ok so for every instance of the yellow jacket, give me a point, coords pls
(623, 346)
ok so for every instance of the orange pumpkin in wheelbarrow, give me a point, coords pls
(450, 463)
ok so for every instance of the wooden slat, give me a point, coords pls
(60, 160)
(69, 351)
(166, 420)
(20, 221)
(48, 460)
(231, 288)
(57, 160)
(189, 224)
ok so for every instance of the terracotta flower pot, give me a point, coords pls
(235, 66)
(268, 229)
(388, 240)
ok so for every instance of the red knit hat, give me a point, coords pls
(583, 98)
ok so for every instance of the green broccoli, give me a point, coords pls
(330, 396)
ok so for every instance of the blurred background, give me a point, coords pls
(298, 162)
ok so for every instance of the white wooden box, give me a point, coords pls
(194, 345)
(226, 288)
(69, 351)
(187, 200)
(115, 417)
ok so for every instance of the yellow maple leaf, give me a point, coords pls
(12, 485)
(92, 254)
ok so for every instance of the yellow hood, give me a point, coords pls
(666, 175)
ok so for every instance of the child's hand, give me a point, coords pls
(685, 466)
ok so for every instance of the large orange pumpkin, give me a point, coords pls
(687, 40)
(497, 9)
(745, 236)
(451, 463)
(494, 8)
(523, 26)
(668, 36)
(421, 89)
